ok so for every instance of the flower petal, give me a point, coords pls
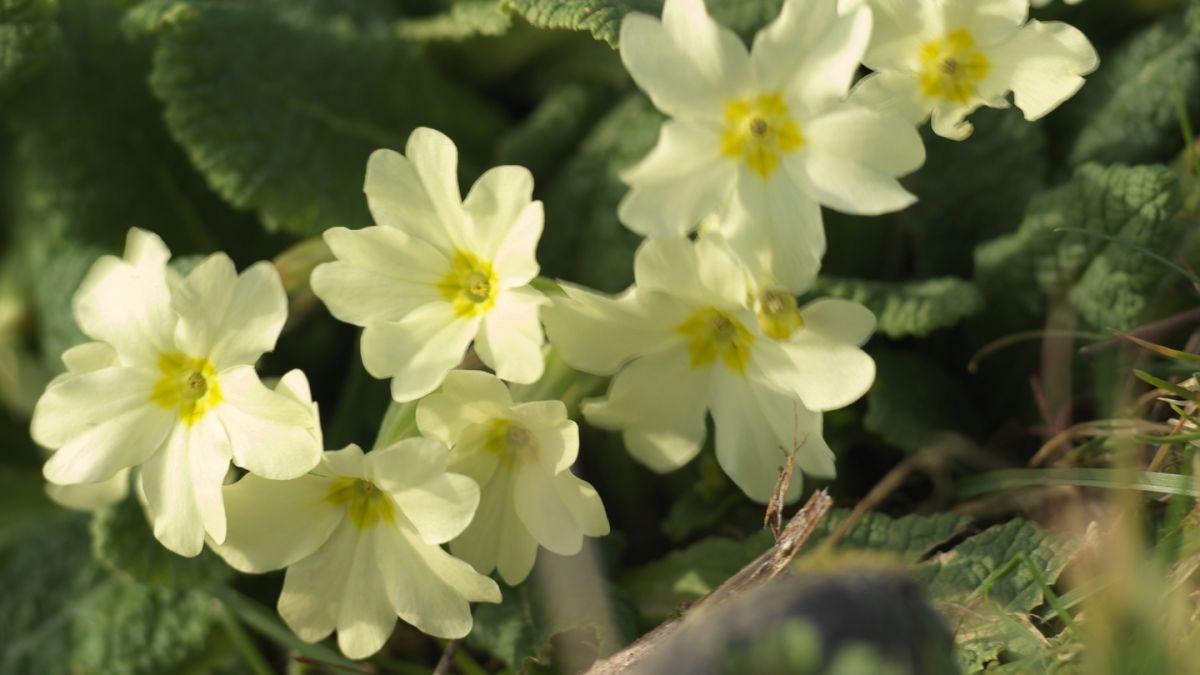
(597, 333)
(380, 274)
(89, 356)
(511, 338)
(1044, 65)
(990, 21)
(494, 204)
(441, 507)
(781, 206)
(899, 28)
(839, 320)
(893, 93)
(272, 434)
(782, 254)
(555, 435)
(365, 619)
(854, 157)
(515, 260)
(276, 523)
(428, 587)
(659, 402)
(681, 182)
(717, 53)
(467, 397)
(665, 70)
(542, 510)
(419, 193)
(823, 373)
(314, 587)
(703, 272)
(811, 52)
(496, 538)
(91, 496)
(417, 351)
(182, 486)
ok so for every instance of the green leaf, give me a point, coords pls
(909, 537)
(22, 498)
(973, 190)
(985, 588)
(560, 602)
(27, 34)
(1130, 104)
(1108, 282)
(57, 282)
(589, 245)
(602, 18)
(558, 123)
(123, 541)
(463, 19)
(909, 308)
(914, 400)
(259, 96)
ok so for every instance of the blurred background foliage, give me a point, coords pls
(245, 127)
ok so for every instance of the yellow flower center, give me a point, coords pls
(714, 334)
(509, 441)
(471, 285)
(951, 67)
(778, 316)
(188, 385)
(759, 131)
(365, 503)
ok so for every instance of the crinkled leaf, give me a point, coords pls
(1108, 282)
(461, 20)
(1129, 107)
(27, 35)
(988, 594)
(563, 600)
(280, 104)
(973, 190)
(602, 18)
(661, 588)
(57, 281)
(588, 244)
(123, 541)
(914, 400)
(64, 613)
(906, 308)
(552, 129)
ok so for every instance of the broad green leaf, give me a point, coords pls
(22, 498)
(65, 614)
(27, 35)
(280, 104)
(562, 600)
(1129, 107)
(985, 588)
(123, 541)
(1108, 282)
(602, 18)
(56, 284)
(587, 244)
(973, 190)
(914, 399)
(552, 129)
(909, 308)
(461, 20)
(909, 537)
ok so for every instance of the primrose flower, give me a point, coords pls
(169, 387)
(766, 131)
(946, 58)
(521, 456)
(438, 271)
(694, 336)
(360, 538)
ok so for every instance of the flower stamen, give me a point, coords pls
(187, 384)
(365, 503)
(952, 67)
(714, 334)
(759, 131)
(471, 285)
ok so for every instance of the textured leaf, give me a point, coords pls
(464, 19)
(1107, 282)
(27, 35)
(914, 399)
(63, 613)
(588, 244)
(559, 601)
(973, 190)
(123, 541)
(258, 95)
(57, 282)
(1131, 103)
(984, 591)
(602, 18)
(663, 587)
(906, 308)
(552, 129)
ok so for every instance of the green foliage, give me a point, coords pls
(1131, 105)
(909, 537)
(984, 585)
(557, 602)
(258, 96)
(1106, 279)
(22, 498)
(65, 614)
(59, 278)
(909, 308)
(602, 18)
(795, 647)
(123, 541)
(464, 19)
(27, 33)
(914, 400)
(589, 245)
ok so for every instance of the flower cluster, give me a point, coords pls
(756, 142)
